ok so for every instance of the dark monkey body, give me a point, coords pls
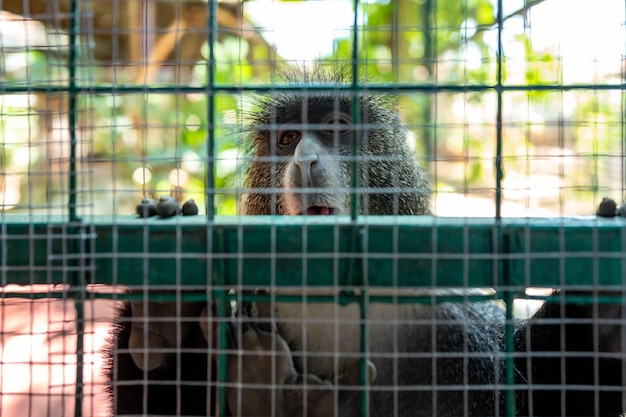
(442, 359)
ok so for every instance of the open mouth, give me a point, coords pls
(319, 211)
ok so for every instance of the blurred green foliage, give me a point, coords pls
(139, 142)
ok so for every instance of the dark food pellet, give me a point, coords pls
(147, 208)
(607, 208)
(168, 206)
(190, 208)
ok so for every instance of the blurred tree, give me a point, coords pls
(146, 34)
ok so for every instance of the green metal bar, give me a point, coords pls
(429, 56)
(356, 267)
(509, 331)
(210, 93)
(498, 88)
(357, 134)
(400, 87)
(344, 299)
(73, 243)
(364, 302)
(80, 333)
(220, 297)
(73, 91)
(503, 270)
(34, 249)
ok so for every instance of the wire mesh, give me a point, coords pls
(515, 112)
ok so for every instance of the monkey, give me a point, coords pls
(443, 359)
(317, 156)
(265, 369)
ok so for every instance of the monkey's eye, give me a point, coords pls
(337, 124)
(288, 137)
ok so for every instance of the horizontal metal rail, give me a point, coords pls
(91, 89)
(258, 251)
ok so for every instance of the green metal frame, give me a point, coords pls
(210, 253)
(196, 258)
(263, 251)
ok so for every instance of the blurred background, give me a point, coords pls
(143, 87)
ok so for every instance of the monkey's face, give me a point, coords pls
(316, 173)
(309, 147)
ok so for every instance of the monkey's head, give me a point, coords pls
(301, 150)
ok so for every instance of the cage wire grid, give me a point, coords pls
(70, 252)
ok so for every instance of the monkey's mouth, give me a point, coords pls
(319, 211)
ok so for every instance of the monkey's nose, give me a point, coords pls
(307, 159)
(307, 167)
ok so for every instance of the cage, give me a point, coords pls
(489, 282)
